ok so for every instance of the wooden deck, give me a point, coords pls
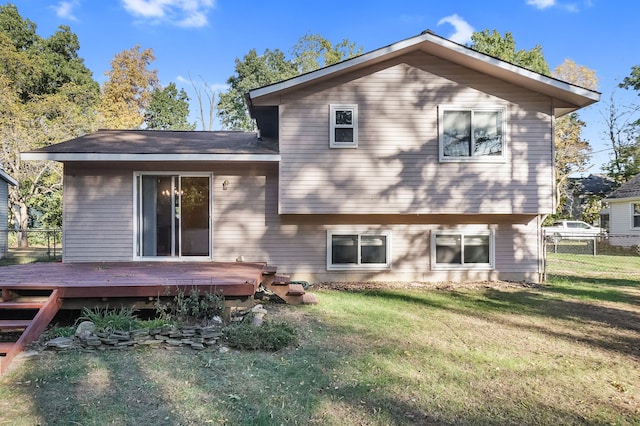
(134, 279)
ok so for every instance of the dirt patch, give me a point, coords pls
(444, 286)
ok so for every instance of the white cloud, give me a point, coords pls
(541, 4)
(199, 82)
(462, 29)
(183, 13)
(64, 9)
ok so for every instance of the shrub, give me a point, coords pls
(192, 308)
(271, 336)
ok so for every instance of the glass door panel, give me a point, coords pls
(173, 218)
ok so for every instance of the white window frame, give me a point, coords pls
(359, 265)
(333, 108)
(473, 109)
(632, 207)
(464, 266)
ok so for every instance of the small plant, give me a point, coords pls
(191, 308)
(59, 331)
(106, 319)
(271, 336)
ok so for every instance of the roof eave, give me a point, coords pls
(4, 176)
(103, 157)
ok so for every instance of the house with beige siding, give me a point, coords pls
(624, 214)
(422, 160)
(5, 181)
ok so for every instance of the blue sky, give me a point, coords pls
(202, 38)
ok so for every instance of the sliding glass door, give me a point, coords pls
(173, 215)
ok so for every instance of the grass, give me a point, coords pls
(564, 353)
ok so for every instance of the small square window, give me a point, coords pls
(471, 134)
(370, 250)
(462, 250)
(343, 126)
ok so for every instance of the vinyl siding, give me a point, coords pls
(620, 231)
(396, 168)
(98, 218)
(303, 248)
(97, 215)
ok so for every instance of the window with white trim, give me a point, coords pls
(343, 126)
(635, 215)
(473, 249)
(368, 250)
(472, 134)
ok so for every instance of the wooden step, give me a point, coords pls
(295, 290)
(16, 304)
(282, 280)
(5, 347)
(309, 299)
(269, 270)
(14, 324)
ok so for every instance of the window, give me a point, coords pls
(370, 250)
(465, 250)
(635, 215)
(343, 126)
(475, 134)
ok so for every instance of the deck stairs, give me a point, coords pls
(281, 285)
(24, 316)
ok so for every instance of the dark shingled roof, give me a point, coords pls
(163, 142)
(630, 189)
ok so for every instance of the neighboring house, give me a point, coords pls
(624, 214)
(585, 196)
(5, 181)
(423, 160)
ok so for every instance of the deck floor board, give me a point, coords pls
(79, 280)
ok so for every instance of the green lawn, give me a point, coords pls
(564, 353)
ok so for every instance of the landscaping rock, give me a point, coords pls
(85, 329)
(62, 343)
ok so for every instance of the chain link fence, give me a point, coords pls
(564, 256)
(29, 245)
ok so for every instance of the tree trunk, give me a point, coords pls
(21, 215)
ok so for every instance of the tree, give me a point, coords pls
(312, 51)
(168, 109)
(127, 92)
(623, 133)
(623, 127)
(253, 71)
(201, 92)
(572, 153)
(494, 44)
(46, 96)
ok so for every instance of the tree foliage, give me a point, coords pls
(504, 47)
(46, 96)
(572, 152)
(127, 91)
(168, 109)
(253, 71)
